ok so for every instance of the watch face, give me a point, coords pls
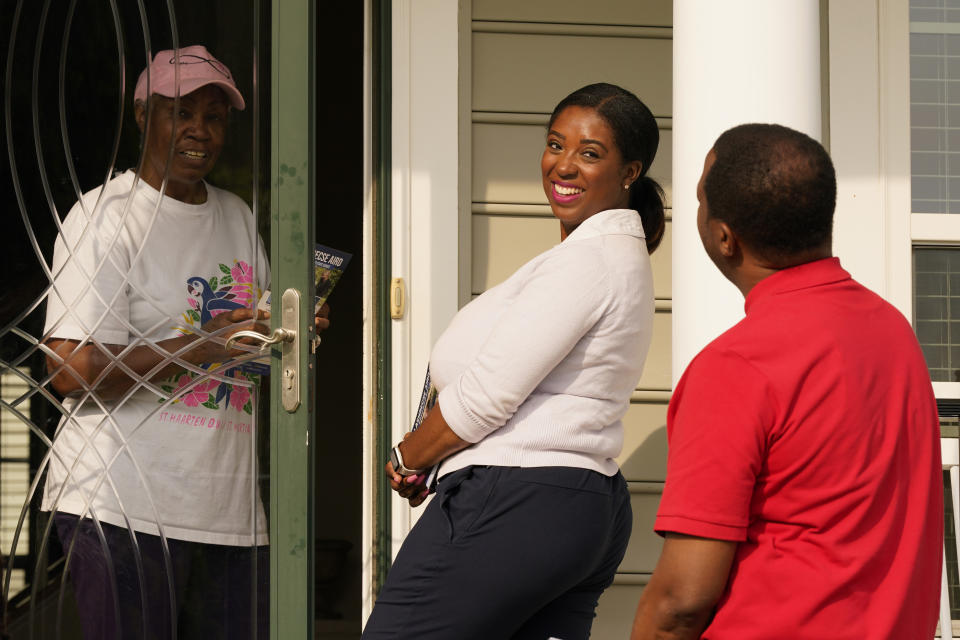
(394, 460)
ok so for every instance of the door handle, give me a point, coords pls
(289, 340)
(279, 335)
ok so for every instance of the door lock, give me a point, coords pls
(290, 350)
(289, 340)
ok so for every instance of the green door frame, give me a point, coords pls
(382, 94)
(292, 205)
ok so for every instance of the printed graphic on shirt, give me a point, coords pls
(207, 298)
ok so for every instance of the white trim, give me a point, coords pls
(425, 181)
(870, 144)
(369, 330)
(400, 167)
(935, 228)
(859, 225)
(950, 455)
(946, 390)
(894, 45)
(465, 139)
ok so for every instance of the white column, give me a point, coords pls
(734, 62)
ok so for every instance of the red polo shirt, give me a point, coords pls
(808, 433)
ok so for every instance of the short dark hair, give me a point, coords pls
(775, 187)
(637, 137)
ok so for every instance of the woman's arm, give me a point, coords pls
(432, 442)
(82, 366)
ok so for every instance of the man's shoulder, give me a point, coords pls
(729, 354)
(833, 329)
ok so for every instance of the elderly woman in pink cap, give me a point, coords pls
(152, 469)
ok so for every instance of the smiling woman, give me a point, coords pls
(189, 136)
(186, 130)
(583, 170)
(601, 140)
(534, 377)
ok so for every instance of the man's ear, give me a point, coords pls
(140, 113)
(727, 241)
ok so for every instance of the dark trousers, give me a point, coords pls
(504, 552)
(209, 591)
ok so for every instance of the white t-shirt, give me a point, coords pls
(538, 370)
(180, 460)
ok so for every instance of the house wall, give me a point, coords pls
(524, 58)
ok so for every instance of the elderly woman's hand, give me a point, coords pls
(212, 349)
(322, 319)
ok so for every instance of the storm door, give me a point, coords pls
(155, 479)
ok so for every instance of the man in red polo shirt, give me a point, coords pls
(803, 497)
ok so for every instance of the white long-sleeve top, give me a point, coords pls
(538, 370)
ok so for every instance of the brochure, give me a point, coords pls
(428, 398)
(328, 265)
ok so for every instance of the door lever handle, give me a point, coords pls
(289, 340)
(279, 335)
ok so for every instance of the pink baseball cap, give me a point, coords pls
(197, 68)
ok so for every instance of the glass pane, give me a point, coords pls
(132, 441)
(935, 105)
(936, 309)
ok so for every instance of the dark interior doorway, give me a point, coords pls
(339, 188)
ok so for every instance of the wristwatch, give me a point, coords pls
(396, 459)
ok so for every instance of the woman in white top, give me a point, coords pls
(532, 515)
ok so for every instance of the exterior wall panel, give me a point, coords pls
(608, 12)
(645, 545)
(615, 611)
(644, 456)
(530, 73)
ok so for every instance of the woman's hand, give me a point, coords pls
(413, 488)
(423, 448)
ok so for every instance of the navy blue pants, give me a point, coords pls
(505, 552)
(215, 595)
